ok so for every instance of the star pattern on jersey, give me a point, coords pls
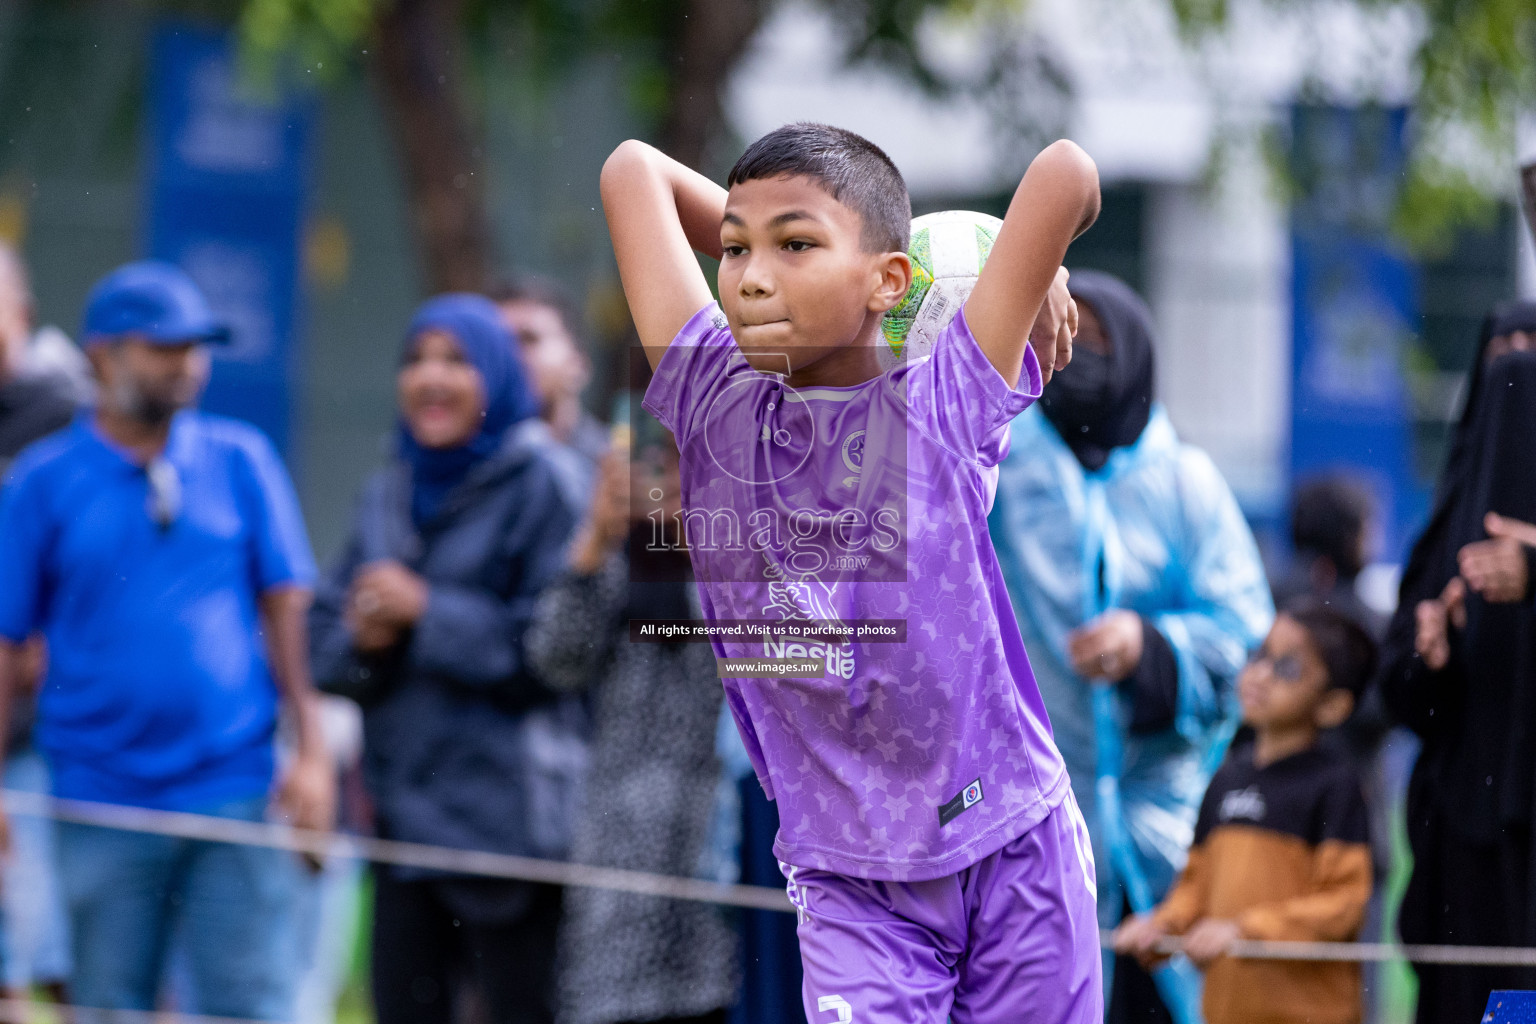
(861, 764)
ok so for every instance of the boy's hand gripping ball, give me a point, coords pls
(947, 250)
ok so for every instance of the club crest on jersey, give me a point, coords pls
(853, 457)
(853, 451)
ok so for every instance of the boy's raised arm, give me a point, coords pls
(1057, 201)
(658, 213)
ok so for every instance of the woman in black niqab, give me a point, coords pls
(1104, 400)
(1472, 800)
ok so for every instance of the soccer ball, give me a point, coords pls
(947, 250)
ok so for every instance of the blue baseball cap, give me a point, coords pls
(153, 300)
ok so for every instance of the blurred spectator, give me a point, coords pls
(1280, 849)
(1128, 561)
(52, 354)
(1331, 521)
(624, 957)
(1460, 671)
(162, 554)
(329, 923)
(547, 325)
(33, 403)
(1484, 566)
(422, 621)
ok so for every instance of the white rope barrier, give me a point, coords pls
(531, 869)
(388, 851)
(1378, 952)
(1361, 952)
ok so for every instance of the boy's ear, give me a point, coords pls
(1334, 709)
(894, 270)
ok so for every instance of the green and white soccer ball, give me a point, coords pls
(947, 250)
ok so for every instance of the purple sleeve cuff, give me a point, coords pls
(676, 386)
(1000, 403)
(1012, 400)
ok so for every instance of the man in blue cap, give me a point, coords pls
(162, 554)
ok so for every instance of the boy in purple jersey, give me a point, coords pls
(933, 849)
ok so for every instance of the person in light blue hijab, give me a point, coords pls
(1128, 563)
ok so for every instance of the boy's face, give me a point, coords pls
(1285, 684)
(796, 283)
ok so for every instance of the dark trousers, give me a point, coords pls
(1133, 996)
(772, 976)
(1471, 894)
(425, 954)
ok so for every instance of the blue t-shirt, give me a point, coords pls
(158, 691)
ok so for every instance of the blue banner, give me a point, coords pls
(1508, 1007)
(1354, 310)
(228, 175)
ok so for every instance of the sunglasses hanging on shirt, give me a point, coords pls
(164, 499)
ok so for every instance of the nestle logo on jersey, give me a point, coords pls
(967, 798)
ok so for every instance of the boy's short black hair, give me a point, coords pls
(853, 170)
(1346, 649)
(1328, 518)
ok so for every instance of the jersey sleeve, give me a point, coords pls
(958, 399)
(1186, 900)
(692, 373)
(280, 544)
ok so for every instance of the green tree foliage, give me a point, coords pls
(1474, 64)
(1475, 67)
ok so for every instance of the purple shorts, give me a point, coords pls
(1012, 939)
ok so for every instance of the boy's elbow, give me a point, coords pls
(628, 159)
(1070, 163)
(1071, 157)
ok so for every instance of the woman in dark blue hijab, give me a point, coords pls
(448, 421)
(422, 622)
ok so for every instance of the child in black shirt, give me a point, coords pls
(1281, 850)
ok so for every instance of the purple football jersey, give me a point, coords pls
(868, 504)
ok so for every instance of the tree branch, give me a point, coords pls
(420, 82)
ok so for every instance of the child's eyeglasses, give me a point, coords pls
(1287, 668)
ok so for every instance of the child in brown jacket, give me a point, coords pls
(1280, 847)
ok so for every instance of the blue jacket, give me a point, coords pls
(463, 746)
(1175, 549)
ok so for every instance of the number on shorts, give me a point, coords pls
(838, 1003)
